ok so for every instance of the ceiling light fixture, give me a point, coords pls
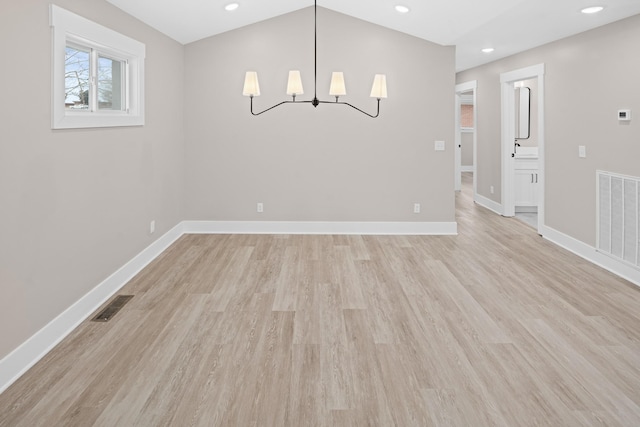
(487, 50)
(231, 6)
(402, 9)
(294, 85)
(592, 9)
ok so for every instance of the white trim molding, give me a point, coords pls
(461, 99)
(507, 115)
(67, 27)
(16, 363)
(319, 227)
(488, 203)
(37, 346)
(590, 253)
(31, 351)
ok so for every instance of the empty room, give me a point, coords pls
(331, 213)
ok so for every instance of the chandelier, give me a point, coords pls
(294, 84)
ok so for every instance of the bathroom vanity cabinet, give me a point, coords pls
(526, 185)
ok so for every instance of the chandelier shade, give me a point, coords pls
(379, 88)
(294, 83)
(251, 85)
(337, 87)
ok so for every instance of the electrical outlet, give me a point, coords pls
(152, 227)
(260, 207)
(491, 189)
(416, 208)
(439, 145)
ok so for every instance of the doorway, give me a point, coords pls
(465, 133)
(521, 176)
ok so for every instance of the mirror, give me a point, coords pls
(523, 114)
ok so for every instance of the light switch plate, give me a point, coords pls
(439, 145)
(582, 151)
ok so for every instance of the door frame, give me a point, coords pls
(470, 86)
(507, 81)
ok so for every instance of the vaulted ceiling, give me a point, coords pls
(508, 26)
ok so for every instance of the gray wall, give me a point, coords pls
(325, 164)
(76, 204)
(588, 77)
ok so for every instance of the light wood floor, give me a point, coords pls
(494, 327)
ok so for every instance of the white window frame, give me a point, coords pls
(69, 28)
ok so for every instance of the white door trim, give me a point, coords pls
(460, 89)
(508, 137)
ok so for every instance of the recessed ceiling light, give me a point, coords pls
(593, 9)
(231, 6)
(402, 9)
(487, 50)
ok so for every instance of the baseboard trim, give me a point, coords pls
(16, 363)
(488, 203)
(319, 227)
(590, 253)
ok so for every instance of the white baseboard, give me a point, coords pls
(318, 227)
(469, 168)
(37, 346)
(31, 351)
(591, 254)
(488, 203)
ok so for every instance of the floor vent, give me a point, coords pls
(111, 309)
(618, 222)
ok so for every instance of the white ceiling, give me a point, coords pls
(509, 26)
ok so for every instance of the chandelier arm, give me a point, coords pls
(264, 111)
(276, 105)
(354, 107)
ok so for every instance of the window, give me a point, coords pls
(98, 74)
(84, 66)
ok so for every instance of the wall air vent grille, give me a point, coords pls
(618, 234)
